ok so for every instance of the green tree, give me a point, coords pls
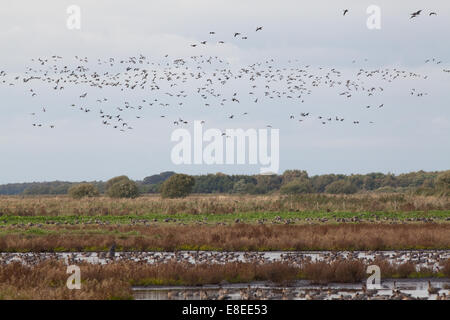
(299, 185)
(123, 189)
(240, 187)
(341, 186)
(290, 175)
(267, 183)
(321, 182)
(158, 178)
(83, 190)
(113, 181)
(177, 186)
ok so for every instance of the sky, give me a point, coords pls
(408, 134)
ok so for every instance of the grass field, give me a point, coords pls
(246, 217)
(218, 222)
(213, 222)
(220, 204)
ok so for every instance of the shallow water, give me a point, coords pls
(300, 290)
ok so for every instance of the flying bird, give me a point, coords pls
(415, 14)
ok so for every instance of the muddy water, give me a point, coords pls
(403, 289)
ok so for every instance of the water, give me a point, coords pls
(300, 290)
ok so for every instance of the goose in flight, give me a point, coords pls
(415, 14)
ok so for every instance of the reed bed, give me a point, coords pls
(236, 237)
(219, 204)
(47, 280)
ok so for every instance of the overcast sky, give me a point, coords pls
(408, 134)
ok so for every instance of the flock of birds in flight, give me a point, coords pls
(210, 78)
(412, 15)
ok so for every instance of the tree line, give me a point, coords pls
(290, 182)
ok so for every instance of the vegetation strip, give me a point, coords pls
(308, 204)
(47, 280)
(235, 237)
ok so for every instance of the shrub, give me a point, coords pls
(113, 181)
(83, 190)
(177, 186)
(123, 189)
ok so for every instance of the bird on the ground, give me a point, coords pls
(112, 251)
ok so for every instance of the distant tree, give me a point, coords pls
(267, 183)
(55, 187)
(420, 181)
(240, 187)
(158, 178)
(290, 175)
(37, 190)
(83, 190)
(167, 174)
(114, 180)
(321, 182)
(443, 180)
(299, 185)
(370, 183)
(177, 186)
(123, 188)
(341, 186)
(214, 183)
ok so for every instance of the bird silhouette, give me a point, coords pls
(415, 14)
(112, 251)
